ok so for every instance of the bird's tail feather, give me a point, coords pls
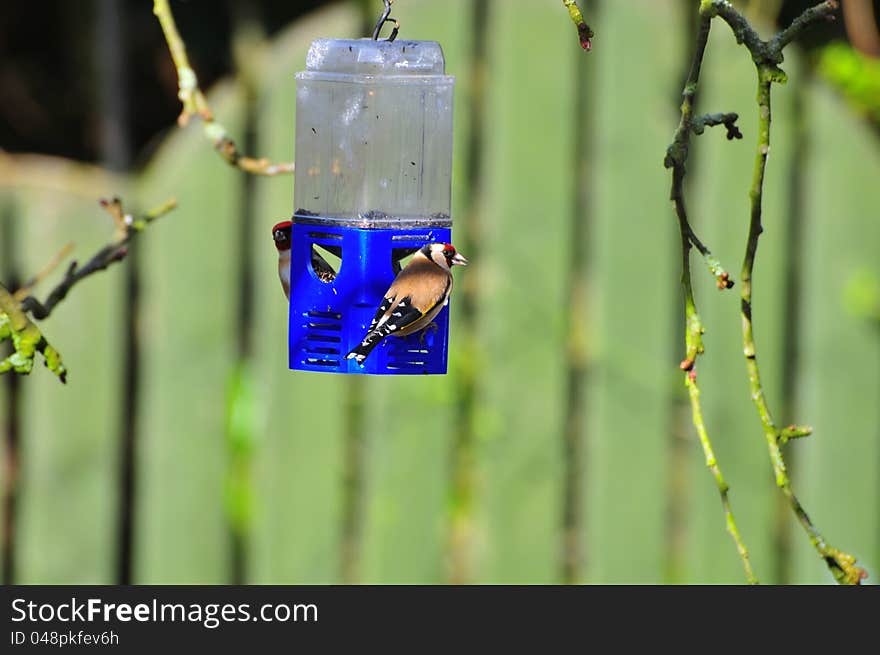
(365, 347)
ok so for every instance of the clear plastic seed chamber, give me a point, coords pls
(372, 185)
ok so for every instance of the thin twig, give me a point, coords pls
(127, 228)
(585, 34)
(677, 154)
(24, 290)
(712, 465)
(767, 56)
(728, 120)
(26, 337)
(676, 159)
(195, 103)
(386, 18)
(820, 12)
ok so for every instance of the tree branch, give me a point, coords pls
(699, 124)
(841, 565)
(821, 12)
(767, 56)
(27, 340)
(195, 103)
(585, 34)
(127, 228)
(676, 159)
(24, 290)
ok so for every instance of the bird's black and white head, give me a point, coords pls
(444, 255)
(281, 236)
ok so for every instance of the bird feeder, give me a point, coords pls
(372, 186)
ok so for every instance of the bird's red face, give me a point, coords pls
(443, 254)
(452, 256)
(281, 235)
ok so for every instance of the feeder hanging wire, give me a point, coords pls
(386, 18)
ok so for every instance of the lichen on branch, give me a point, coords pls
(27, 340)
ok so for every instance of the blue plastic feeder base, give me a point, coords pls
(328, 319)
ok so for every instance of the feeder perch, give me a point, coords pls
(372, 185)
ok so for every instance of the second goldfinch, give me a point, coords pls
(416, 296)
(281, 236)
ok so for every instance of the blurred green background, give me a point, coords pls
(243, 471)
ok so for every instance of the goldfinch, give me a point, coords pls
(416, 296)
(281, 236)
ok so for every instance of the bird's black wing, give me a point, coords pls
(404, 314)
(383, 307)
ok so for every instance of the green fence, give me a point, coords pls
(264, 449)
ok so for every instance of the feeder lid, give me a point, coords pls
(369, 57)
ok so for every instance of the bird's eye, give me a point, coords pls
(280, 236)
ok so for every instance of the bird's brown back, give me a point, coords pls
(426, 283)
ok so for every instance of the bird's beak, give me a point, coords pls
(458, 259)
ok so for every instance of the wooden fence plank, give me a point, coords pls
(67, 502)
(299, 459)
(525, 207)
(408, 467)
(187, 335)
(636, 269)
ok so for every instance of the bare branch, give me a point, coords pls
(767, 56)
(195, 103)
(22, 292)
(728, 120)
(127, 227)
(585, 34)
(821, 12)
(676, 159)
